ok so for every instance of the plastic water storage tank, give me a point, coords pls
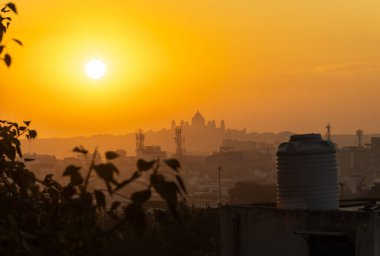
(307, 173)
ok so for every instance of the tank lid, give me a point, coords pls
(305, 144)
(310, 137)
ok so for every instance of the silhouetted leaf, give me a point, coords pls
(7, 60)
(22, 128)
(141, 197)
(181, 183)
(12, 6)
(13, 124)
(25, 180)
(76, 179)
(1, 48)
(168, 191)
(48, 178)
(143, 165)
(156, 179)
(111, 155)
(100, 199)
(106, 171)
(18, 150)
(71, 169)
(10, 152)
(29, 159)
(81, 150)
(114, 206)
(17, 41)
(173, 163)
(27, 123)
(32, 134)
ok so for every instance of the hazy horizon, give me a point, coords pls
(259, 65)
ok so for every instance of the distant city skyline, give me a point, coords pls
(210, 121)
(201, 136)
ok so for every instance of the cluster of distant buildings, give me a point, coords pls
(359, 167)
(213, 155)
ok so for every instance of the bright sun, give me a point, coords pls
(95, 69)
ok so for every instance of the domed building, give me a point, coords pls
(201, 135)
(198, 120)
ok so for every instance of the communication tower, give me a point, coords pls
(179, 141)
(140, 137)
(359, 135)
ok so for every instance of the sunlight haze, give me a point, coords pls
(261, 65)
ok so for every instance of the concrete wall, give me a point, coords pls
(268, 231)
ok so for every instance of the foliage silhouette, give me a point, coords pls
(5, 21)
(198, 234)
(45, 217)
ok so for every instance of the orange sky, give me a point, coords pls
(260, 65)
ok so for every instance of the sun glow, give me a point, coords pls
(96, 69)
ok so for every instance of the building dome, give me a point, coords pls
(198, 120)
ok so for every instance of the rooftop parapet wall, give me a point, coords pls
(259, 230)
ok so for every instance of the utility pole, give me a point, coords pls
(328, 132)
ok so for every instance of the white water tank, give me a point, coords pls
(307, 173)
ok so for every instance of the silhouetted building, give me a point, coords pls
(359, 166)
(222, 125)
(151, 152)
(374, 148)
(198, 121)
(239, 145)
(201, 136)
(353, 160)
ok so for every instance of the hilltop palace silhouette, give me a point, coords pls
(199, 122)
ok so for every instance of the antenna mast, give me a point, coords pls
(140, 137)
(328, 132)
(179, 141)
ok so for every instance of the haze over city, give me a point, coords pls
(177, 127)
(260, 65)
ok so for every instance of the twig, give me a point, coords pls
(90, 170)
